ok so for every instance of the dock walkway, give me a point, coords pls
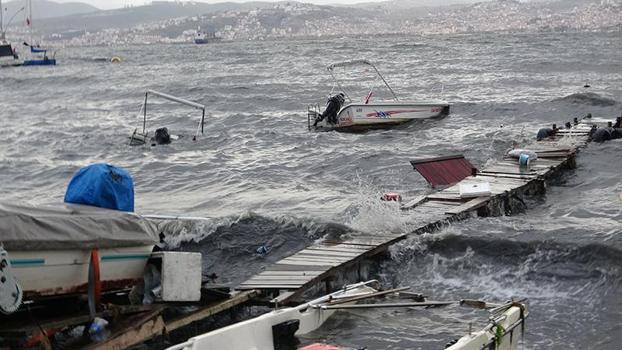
(323, 260)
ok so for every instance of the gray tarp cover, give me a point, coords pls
(71, 226)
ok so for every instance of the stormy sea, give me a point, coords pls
(260, 178)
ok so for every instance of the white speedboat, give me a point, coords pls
(52, 250)
(368, 114)
(275, 330)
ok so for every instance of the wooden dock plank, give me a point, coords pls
(291, 273)
(470, 205)
(280, 266)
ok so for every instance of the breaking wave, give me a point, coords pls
(587, 98)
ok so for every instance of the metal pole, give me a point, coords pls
(385, 82)
(330, 70)
(1, 22)
(202, 121)
(145, 113)
(376, 306)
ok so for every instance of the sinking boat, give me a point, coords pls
(368, 114)
(277, 330)
(161, 135)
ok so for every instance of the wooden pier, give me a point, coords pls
(329, 261)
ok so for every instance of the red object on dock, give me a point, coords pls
(392, 196)
(320, 346)
(441, 171)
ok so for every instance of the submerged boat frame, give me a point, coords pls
(139, 138)
(367, 115)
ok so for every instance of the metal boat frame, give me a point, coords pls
(140, 138)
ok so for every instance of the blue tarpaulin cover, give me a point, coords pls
(102, 185)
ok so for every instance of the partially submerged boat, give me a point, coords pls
(161, 135)
(368, 114)
(276, 330)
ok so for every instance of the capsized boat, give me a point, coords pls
(276, 330)
(355, 116)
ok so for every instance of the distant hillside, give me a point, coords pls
(177, 22)
(133, 16)
(47, 9)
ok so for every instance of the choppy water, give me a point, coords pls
(263, 179)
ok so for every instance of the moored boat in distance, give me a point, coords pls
(345, 115)
(8, 54)
(38, 55)
(202, 37)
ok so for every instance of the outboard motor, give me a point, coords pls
(333, 105)
(162, 137)
(10, 291)
(602, 135)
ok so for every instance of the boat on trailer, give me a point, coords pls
(54, 251)
(368, 114)
(276, 330)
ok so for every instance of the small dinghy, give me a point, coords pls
(277, 330)
(343, 114)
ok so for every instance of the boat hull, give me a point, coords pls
(354, 117)
(48, 62)
(506, 338)
(49, 273)
(257, 333)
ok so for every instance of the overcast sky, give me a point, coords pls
(110, 4)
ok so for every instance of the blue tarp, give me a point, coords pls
(102, 185)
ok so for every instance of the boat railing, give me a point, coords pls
(313, 111)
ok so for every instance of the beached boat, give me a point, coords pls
(276, 330)
(54, 250)
(368, 114)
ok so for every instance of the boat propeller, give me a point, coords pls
(10, 291)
